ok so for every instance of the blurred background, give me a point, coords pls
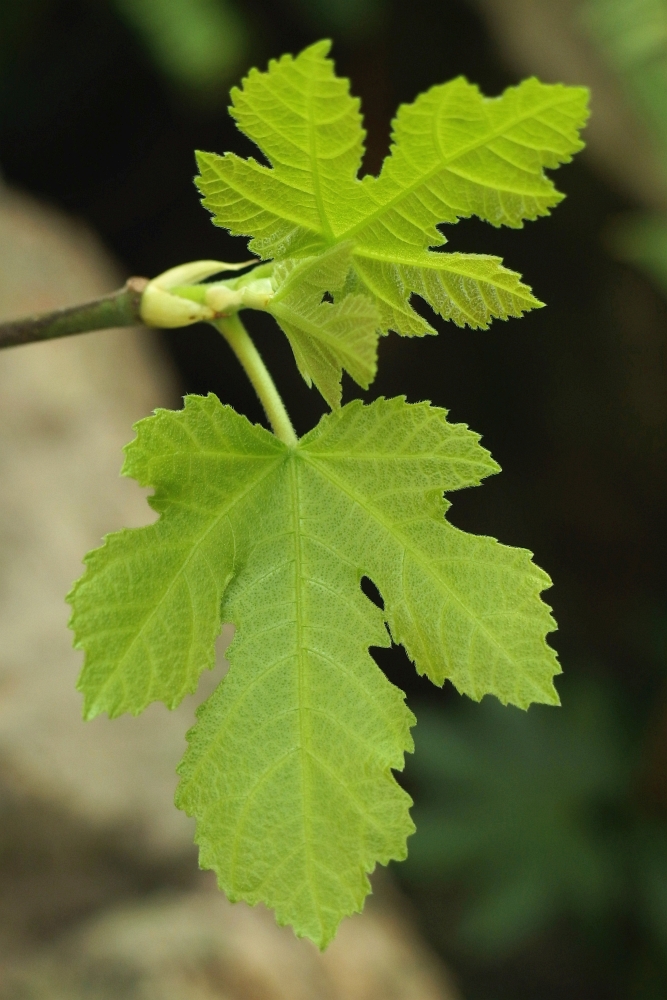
(539, 869)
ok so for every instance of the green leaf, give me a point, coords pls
(288, 769)
(455, 154)
(468, 289)
(147, 611)
(325, 336)
(465, 607)
(309, 127)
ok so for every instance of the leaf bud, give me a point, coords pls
(161, 307)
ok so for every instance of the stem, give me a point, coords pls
(120, 308)
(123, 308)
(238, 339)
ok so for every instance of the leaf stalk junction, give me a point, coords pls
(171, 301)
(238, 338)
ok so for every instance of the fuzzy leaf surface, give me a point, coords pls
(289, 767)
(326, 337)
(455, 153)
(147, 609)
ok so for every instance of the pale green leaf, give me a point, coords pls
(468, 289)
(455, 153)
(465, 607)
(147, 610)
(303, 118)
(326, 337)
(288, 770)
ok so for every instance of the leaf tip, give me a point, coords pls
(319, 48)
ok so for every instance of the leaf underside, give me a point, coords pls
(454, 154)
(289, 767)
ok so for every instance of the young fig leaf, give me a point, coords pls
(288, 770)
(326, 337)
(455, 154)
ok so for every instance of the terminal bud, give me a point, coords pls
(162, 307)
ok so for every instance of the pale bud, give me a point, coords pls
(161, 308)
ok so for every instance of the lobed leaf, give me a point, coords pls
(288, 770)
(455, 154)
(302, 117)
(468, 289)
(465, 607)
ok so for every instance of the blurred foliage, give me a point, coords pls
(535, 819)
(527, 808)
(641, 239)
(347, 18)
(199, 44)
(632, 36)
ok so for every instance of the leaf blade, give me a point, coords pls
(147, 610)
(289, 767)
(457, 154)
(249, 200)
(308, 801)
(326, 336)
(468, 289)
(438, 583)
(304, 119)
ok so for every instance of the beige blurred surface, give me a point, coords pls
(66, 409)
(100, 896)
(197, 946)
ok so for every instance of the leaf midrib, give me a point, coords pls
(443, 165)
(301, 668)
(312, 150)
(386, 457)
(442, 261)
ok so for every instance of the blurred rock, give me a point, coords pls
(100, 895)
(66, 409)
(199, 947)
